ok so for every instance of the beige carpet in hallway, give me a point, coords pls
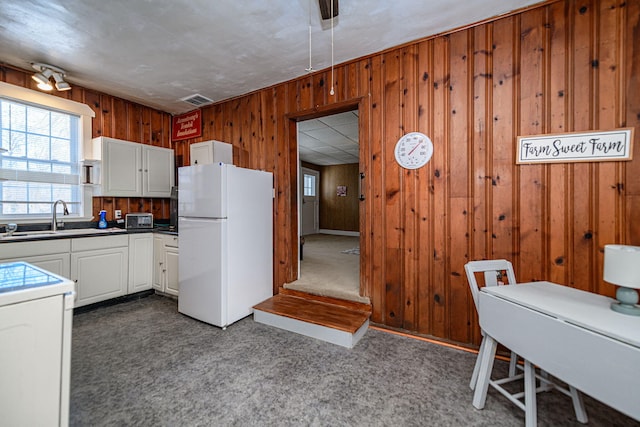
(327, 270)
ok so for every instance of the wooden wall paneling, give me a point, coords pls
(377, 192)
(555, 121)
(242, 129)
(473, 189)
(631, 170)
(475, 205)
(582, 91)
(77, 94)
(286, 188)
(166, 132)
(321, 87)
(303, 96)
(439, 230)
(424, 248)
(552, 69)
(121, 203)
(260, 157)
(293, 186)
(504, 70)
(609, 199)
(92, 99)
(13, 76)
(106, 110)
(409, 115)
(363, 87)
(461, 90)
(158, 210)
(531, 121)
(394, 224)
(134, 127)
(267, 130)
(120, 123)
(157, 128)
(352, 80)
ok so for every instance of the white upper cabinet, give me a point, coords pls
(129, 169)
(202, 153)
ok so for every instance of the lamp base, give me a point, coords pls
(633, 310)
(627, 301)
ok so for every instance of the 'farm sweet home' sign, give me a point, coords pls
(595, 146)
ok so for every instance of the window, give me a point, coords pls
(309, 185)
(40, 159)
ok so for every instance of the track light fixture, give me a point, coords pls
(44, 74)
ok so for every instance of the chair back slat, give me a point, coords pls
(492, 273)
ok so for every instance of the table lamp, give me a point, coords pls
(622, 268)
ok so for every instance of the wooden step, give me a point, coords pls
(321, 320)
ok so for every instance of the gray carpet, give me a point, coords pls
(142, 363)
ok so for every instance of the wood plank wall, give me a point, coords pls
(564, 66)
(568, 65)
(115, 118)
(339, 212)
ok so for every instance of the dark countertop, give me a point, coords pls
(73, 232)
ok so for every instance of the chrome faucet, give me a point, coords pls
(54, 221)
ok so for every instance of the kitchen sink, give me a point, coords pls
(25, 235)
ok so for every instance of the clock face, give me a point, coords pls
(413, 150)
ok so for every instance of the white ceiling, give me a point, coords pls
(330, 140)
(156, 52)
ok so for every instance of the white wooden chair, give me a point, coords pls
(494, 272)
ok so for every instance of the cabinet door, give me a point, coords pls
(99, 274)
(121, 168)
(171, 270)
(201, 153)
(140, 262)
(158, 262)
(55, 263)
(158, 175)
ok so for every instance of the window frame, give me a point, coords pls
(85, 115)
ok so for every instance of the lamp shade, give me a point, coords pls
(622, 265)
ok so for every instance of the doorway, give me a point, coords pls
(309, 197)
(329, 206)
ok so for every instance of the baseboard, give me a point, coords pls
(339, 232)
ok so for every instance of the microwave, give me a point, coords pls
(136, 221)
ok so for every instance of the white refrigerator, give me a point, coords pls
(225, 262)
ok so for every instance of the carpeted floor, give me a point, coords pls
(330, 267)
(141, 363)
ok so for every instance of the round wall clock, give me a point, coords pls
(413, 150)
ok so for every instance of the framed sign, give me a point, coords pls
(592, 146)
(188, 125)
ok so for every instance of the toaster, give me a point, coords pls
(136, 221)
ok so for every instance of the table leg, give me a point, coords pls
(487, 355)
(530, 410)
(476, 367)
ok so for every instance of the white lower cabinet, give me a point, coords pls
(165, 263)
(51, 255)
(99, 267)
(105, 267)
(171, 273)
(140, 262)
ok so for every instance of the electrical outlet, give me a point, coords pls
(118, 214)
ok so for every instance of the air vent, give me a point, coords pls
(197, 100)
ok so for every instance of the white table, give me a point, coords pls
(571, 334)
